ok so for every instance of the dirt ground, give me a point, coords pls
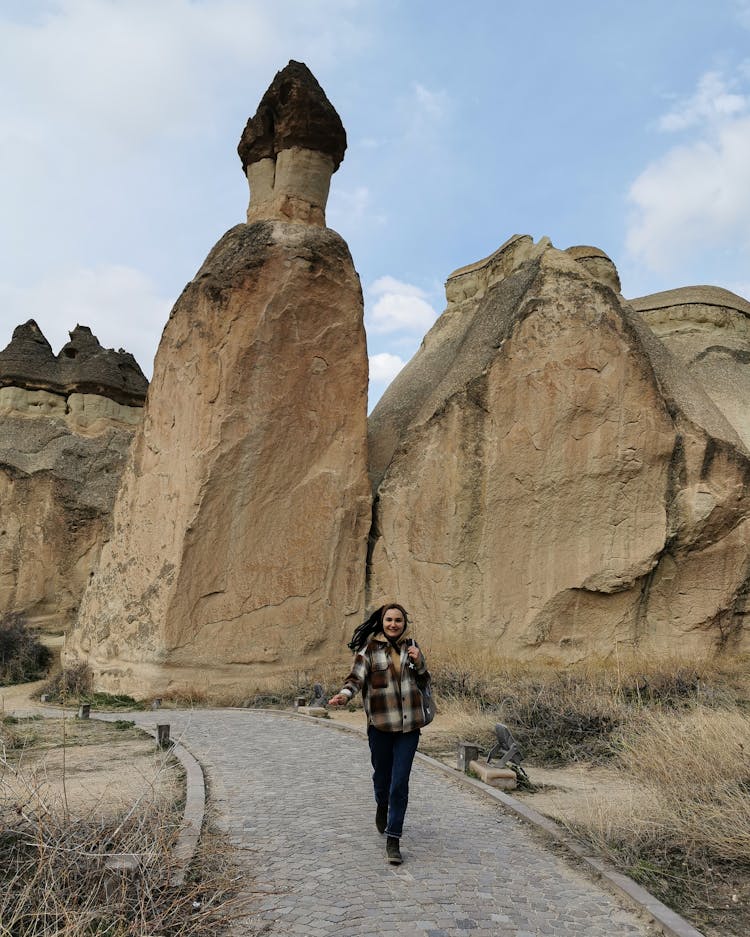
(88, 767)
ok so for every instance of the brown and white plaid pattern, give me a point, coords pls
(392, 701)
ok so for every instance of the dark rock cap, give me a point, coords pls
(82, 366)
(294, 111)
(29, 353)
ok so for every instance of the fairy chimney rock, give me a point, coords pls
(66, 424)
(239, 542)
(291, 148)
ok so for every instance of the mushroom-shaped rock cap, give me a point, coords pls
(82, 366)
(294, 111)
(28, 358)
(89, 368)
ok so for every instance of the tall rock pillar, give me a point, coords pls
(240, 530)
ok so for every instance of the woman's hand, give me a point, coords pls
(338, 700)
(414, 653)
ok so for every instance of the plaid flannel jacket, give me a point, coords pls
(392, 705)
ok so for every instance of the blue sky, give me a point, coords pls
(624, 125)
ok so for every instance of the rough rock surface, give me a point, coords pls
(62, 452)
(550, 483)
(597, 264)
(240, 529)
(708, 330)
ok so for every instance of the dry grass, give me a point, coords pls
(678, 733)
(54, 877)
(578, 713)
(687, 835)
(697, 769)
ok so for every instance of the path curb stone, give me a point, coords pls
(194, 813)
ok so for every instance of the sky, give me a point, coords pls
(622, 124)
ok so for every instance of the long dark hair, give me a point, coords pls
(363, 632)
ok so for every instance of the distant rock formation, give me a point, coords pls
(240, 531)
(66, 423)
(708, 330)
(81, 367)
(551, 483)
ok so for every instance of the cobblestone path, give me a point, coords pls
(296, 800)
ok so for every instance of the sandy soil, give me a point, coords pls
(96, 768)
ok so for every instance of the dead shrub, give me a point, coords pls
(70, 684)
(22, 656)
(577, 713)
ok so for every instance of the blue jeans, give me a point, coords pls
(392, 754)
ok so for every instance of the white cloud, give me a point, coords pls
(712, 101)
(425, 113)
(385, 366)
(122, 71)
(114, 301)
(696, 196)
(431, 104)
(398, 307)
(348, 208)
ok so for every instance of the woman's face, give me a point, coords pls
(393, 622)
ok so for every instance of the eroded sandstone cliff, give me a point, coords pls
(66, 423)
(551, 482)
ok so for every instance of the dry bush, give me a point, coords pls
(70, 684)
(22, 656)
(577, 713)
(74, 684)
(556, 716)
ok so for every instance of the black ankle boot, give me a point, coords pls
(392, 851)
(381, 817)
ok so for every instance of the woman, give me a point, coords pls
(388, 668)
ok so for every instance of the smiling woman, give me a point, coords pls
(389, 669)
